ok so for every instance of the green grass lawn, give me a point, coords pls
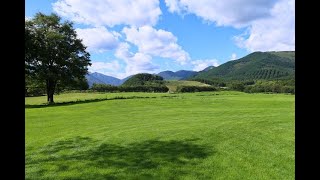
(209, 135)
(173, 84)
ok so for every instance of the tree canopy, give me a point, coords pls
(144, 79)
(53, 53)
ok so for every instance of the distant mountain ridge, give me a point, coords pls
(257, 65)
(178, 75)
(99, 78)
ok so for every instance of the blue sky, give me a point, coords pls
(126, 37)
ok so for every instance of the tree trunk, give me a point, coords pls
(50, 98)
(51, 84)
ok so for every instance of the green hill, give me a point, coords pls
(255, 66)
(144, 79)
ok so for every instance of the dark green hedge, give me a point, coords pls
(195, 88)
(270, 88)
(139, 88)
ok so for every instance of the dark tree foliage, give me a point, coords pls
(53, 53)
(33, 87)
(143, 82)
(76, 84)
(104, 88)
(213, 81)
(195, 88)
(279, 86)
(238, 86)
(138, 88)
(143, 79)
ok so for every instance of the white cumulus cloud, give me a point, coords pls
(109, 12)
(98, 66)
(175, 6)
(270, 23)
(201, 64)
(98, 39)
(156, 43)
(112, 68)
(236, 13)
(276, 33)
(140, 63)
(136, 63)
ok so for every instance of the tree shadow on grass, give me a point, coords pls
(208, 94)
(83, 101)
(144, 160)
(92, 100)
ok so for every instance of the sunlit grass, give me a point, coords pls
(173, 84)
(211, 135)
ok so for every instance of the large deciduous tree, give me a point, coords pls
(53, 53)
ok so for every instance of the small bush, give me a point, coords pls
(160, 88)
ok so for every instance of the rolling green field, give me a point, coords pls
(208, 135)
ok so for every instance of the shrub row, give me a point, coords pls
(110, 88)
(195, 88)
(269, 88)
(284, 86)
